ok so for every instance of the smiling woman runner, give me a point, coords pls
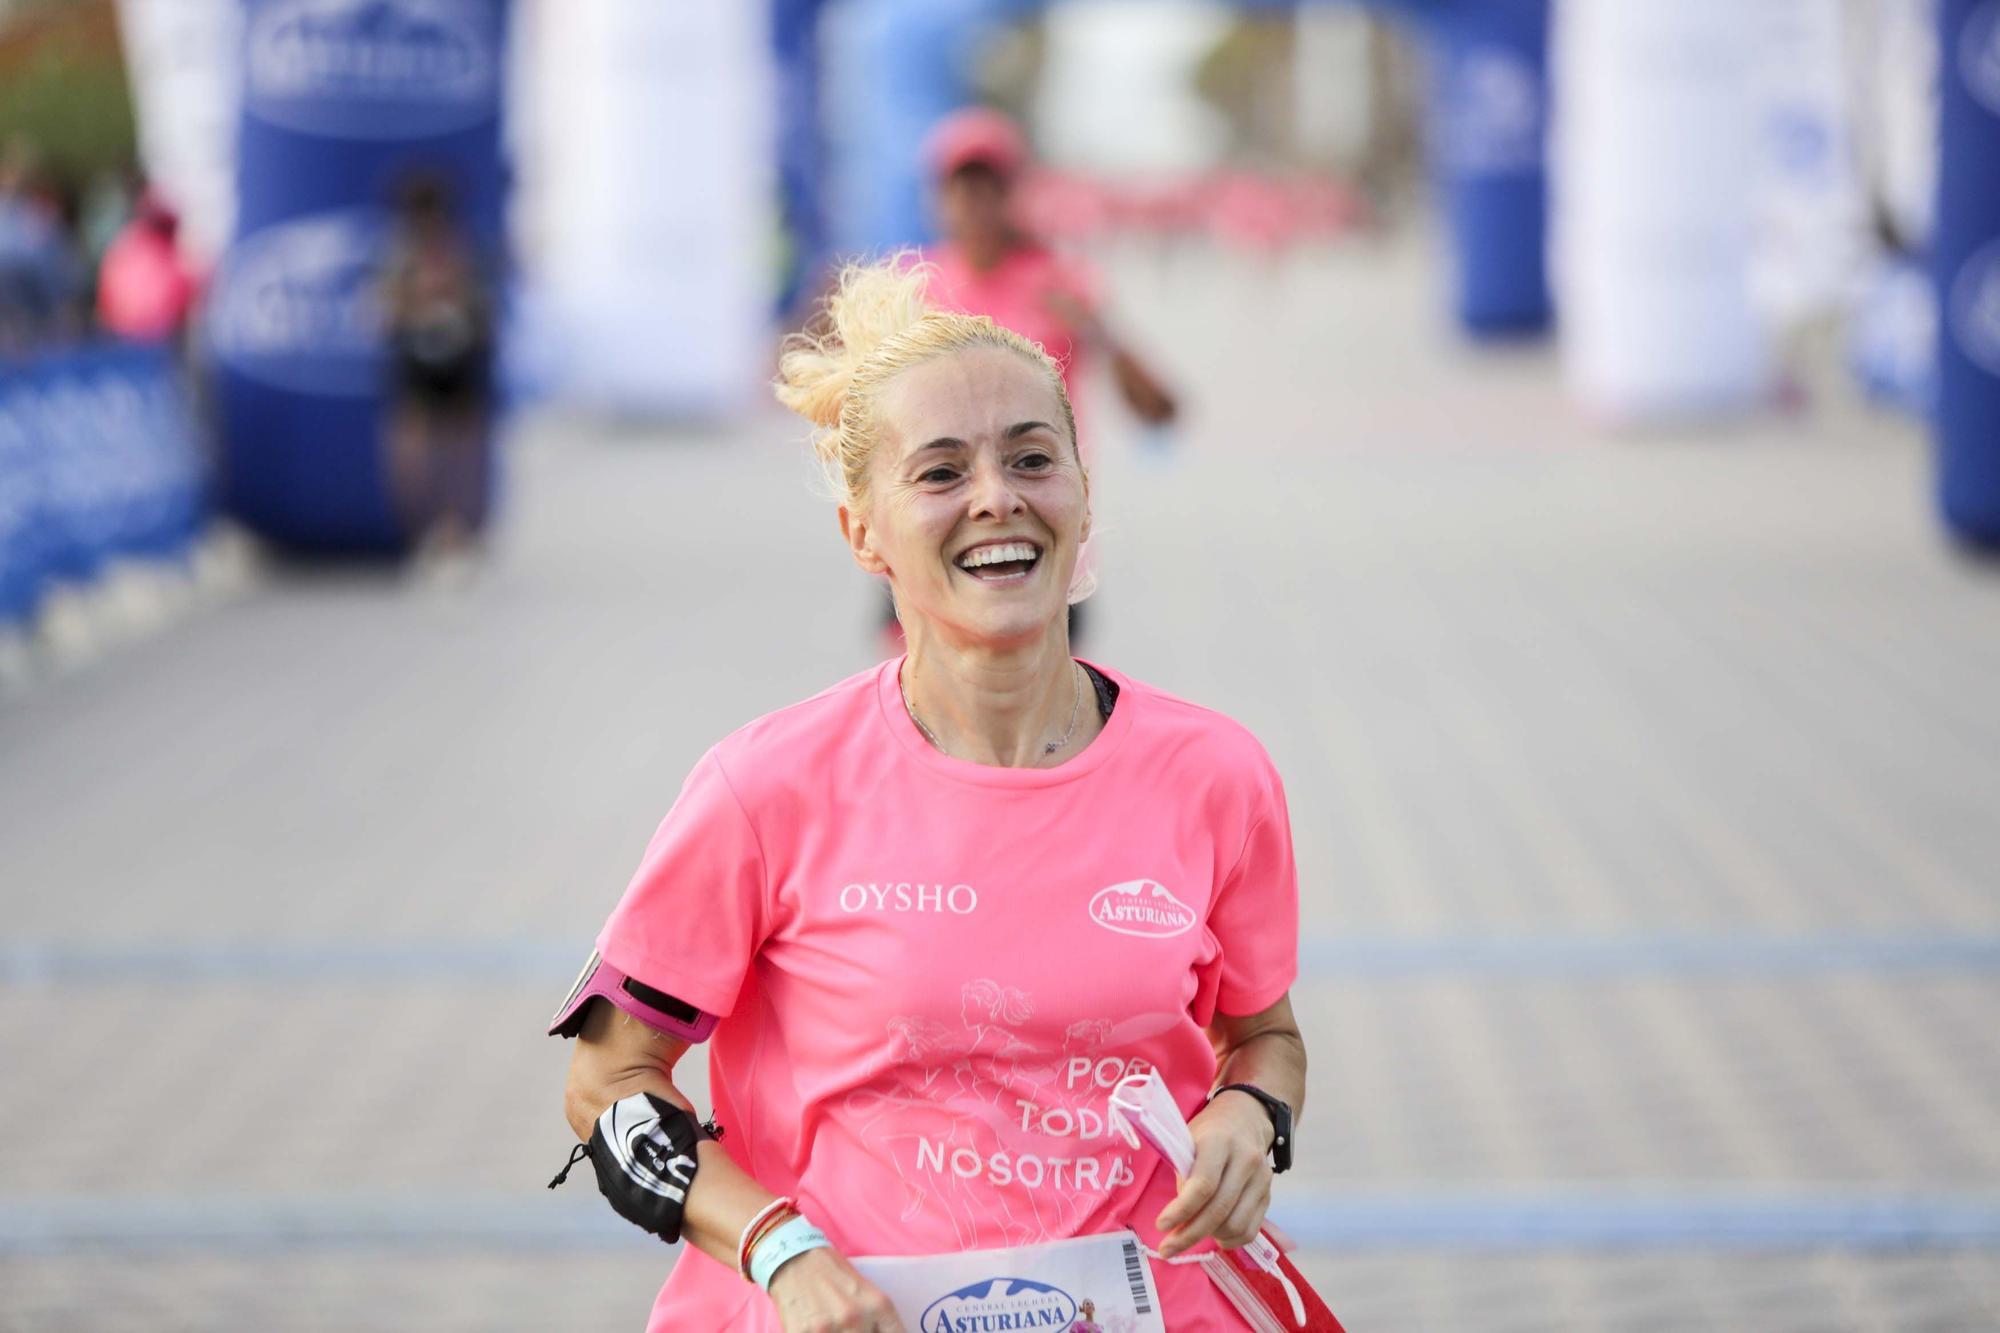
(931, 915)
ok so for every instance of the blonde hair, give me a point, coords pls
(875, 326)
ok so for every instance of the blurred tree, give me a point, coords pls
(63, 86)
(1247, 77)
(1007, 68)
(1392, 167)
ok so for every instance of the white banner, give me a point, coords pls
(1656, 159)
(1811, 217)
(181, 57)
(645, 156)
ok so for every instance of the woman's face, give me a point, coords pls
(976, 506)
(974, 208)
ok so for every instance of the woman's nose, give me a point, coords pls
(993, 493)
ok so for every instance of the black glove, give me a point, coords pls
(643, 1149)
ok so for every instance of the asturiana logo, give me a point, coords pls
(374, 68)
(1141, 907)
(296, 305)
(999, 1305)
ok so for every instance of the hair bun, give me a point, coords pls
(871, 304)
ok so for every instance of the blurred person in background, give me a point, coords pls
(987, 263)
(860, 1025)
(145, 289)
(41, 282)
(439, 315)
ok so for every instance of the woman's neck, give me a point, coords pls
(1001, 707)
(985, 253)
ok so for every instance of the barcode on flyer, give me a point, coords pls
(1135, 1273)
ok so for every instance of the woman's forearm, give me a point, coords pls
(1275, 1062)
(617, 1056)
(723, 1200)
(1265, 1050)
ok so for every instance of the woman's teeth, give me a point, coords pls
(999, 559)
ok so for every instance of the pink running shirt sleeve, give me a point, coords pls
(698, 909)
(1256, 913)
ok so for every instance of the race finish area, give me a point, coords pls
(1641, 790)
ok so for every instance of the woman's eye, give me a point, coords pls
(1033, 462)
(938, 476)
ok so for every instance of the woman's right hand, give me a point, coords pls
(820, 1292)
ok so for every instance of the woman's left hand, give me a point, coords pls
(1228, 1190)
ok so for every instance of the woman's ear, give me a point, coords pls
(859, 537)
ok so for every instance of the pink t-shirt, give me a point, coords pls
(931, 971)
(1015, 294)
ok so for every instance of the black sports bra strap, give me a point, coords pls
(1107, 690)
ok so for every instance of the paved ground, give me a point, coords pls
(1643, 790)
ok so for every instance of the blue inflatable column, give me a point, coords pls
(1488, 141)
(801, 166)
(893, 69)
(1967, 259)
(342, 101)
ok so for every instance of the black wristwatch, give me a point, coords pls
(1281, 1122)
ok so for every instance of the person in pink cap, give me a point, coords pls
(987, 264)
(145, 289)
(927, 919)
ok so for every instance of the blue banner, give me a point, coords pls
(1488, 131)
(1966, 259)
(342, 101)
(99, 461)
(801, 166)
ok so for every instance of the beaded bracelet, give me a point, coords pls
(781, 1245)
(753, 1230)
(757, 1236)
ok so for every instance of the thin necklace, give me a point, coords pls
(1075, 709)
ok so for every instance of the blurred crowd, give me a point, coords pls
(86, 258)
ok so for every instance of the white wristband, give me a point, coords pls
(785, 1242)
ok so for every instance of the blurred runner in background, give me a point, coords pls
(41, 281)
(987, 264)
(145, 290)
(440, 323)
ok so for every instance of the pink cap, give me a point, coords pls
(975, 134)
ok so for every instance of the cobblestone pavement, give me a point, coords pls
(1642, 788)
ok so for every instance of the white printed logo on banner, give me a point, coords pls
(1001, 1302)
(296, 305)
(113, 457)
(1141, 907)
(374, 69)
(1495, 121)
(1975, 308)
(20, 461)
(1979, 55)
